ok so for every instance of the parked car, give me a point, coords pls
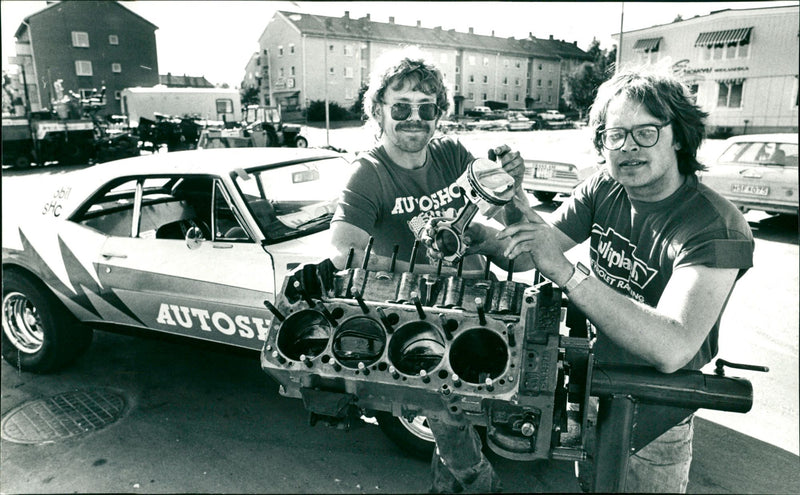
(552, 115)
(478, 111)
(553, 171)
(188, 243)
(518, 122)
(757, 172)
(224, 138)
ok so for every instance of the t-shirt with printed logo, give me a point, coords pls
(635, 246)
(393, 203)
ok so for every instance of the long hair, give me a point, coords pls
(667, 99)
(396, 68)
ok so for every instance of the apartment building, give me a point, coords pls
(305, 57)
(741, 64)
(85, 46)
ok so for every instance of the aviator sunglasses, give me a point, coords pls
(426, 111)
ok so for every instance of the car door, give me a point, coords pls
(212, 288)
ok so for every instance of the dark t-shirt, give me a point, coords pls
(393, 203)
(635, 246)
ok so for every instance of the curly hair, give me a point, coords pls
(396, 68)
(666, 98)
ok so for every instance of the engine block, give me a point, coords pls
(419, 344)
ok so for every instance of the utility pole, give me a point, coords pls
(619, 48)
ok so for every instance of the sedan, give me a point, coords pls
(757, 172)
(549, 172)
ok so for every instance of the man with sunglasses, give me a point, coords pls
(665, 249)
(400, 184)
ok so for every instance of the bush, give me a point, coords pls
(316, 111)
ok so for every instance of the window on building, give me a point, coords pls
(113, 39)
(505, 96)
(484, 96)
(472, 96)
(646, 50)
(291, 48)
(280, 51)
(331, 71)
(116, 67)
(506, 63)
(457, 89)
(80, 38)
(458, 69)
(486, 61)
(549, 98)
(505, 81)
(281, 72)
(720, 45)
(83, 68)
(117, 95)
(292, 70)
(348, 72)
(549, 83)
(517, 64)
(730, 94)
(471, 78)
(540, 66)
(539, 83)
(516, 82)
(485, 79)
(348, 50)
(330, 48)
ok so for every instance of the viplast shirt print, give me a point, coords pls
(615, 262)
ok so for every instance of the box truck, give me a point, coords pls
(216, 104)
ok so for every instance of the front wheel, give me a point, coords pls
(413, 437)
(39, 335)
(301, 142)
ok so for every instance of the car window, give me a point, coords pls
(169, 206)
(226, 226)
(765, 153)
(294, 199)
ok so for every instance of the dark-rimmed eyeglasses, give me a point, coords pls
(426, 111)
(645, 136)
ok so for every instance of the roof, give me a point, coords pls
(82, 4)
(184, 81)
(164, 89)
(366, 29)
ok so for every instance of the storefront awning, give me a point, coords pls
(647, 45)
(728, 37)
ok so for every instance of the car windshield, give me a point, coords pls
(293, 200)
(759, 152)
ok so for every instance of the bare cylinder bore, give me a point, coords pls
(305, 332)
(415, 346)
(478, 353)
(360, 339)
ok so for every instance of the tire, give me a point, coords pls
(415, 439)
(300, 142)
(39, 334)
(544, 196)
(22, 161)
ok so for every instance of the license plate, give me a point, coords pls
(543, 171)
(750, 189)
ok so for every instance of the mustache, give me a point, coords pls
(413, 126)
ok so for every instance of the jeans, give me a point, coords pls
(458, 464)
(662, 466)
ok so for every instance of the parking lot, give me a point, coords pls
(204, 419)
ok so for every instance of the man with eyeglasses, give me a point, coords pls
(408, 178)
(665, 249)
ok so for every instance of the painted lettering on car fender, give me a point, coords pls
(186, 317)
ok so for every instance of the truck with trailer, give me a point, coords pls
(210, 104)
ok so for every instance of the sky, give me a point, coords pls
(215, 39)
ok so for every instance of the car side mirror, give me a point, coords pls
(194, 237)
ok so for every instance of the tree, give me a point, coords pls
(581, 87)
(358, 107)
(249, 96)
